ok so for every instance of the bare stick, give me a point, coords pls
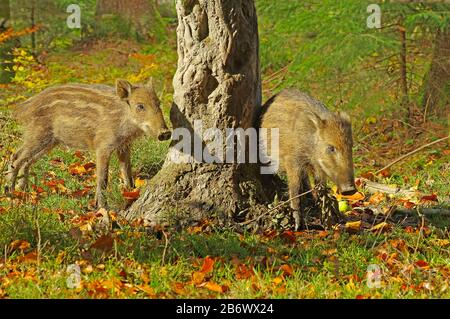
(275, 208)
(411, 153)
(165, 248)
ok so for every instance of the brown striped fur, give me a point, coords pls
(88, 117)
(311, 139)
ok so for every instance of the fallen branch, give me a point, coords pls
(374, 187)
(411, 153)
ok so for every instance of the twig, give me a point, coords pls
(275, 74)
(411, 153)
(165, 248)
(38, 228)
(275, 208)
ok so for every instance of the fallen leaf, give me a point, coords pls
(353, 226)
(377, 198)
(31, 257)
(289, 236)
(215, 287)
(148, 290)
(131, 195)
(208, 265)
(77, 169)
(408, 204)
(422, 264)
(138, 182)
(287, 270)
(79, 155)
(19, 244)
(37, 189)
(244, 272)
(385, 173)
(383, 226)
(178, 288)
(277, 280)
(429, 198)
(198, 277)
(351, 198)
(104, 243)
(89, 166)
(368, 175)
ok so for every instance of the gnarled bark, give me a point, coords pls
(217, 82)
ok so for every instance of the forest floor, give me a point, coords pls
(49, 233)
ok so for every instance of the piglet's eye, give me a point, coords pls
(140, 107)
(331, 149)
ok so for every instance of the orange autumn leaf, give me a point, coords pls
(422, 264)
(287, 270)
(429, 198)
(408, 204)
(351, 198)
(178, 288)
(31, 257)
(208, 265)
(131, 195)
(20, 244)
(244, 272)
(277, 280)
(377, 198)
(198, 277)
(37, 189)
(77, 169)
(385, 173)
(89, 166)
(215, 287)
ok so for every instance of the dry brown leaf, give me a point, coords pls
(215, 287)
(381, 227)
(19, 244)
(353, 226)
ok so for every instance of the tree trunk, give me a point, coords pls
(437, 81)
(5, 16)
(218, 82)
(33, 25)
(403, 70)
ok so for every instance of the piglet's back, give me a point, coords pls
(89, 101)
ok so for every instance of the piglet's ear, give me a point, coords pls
(345, 117)
(123, 89)
(316, 120)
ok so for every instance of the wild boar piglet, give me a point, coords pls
(88, 117)
(312, 139)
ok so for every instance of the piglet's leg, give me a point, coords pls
(125, 166)
(103, 157)
(294, 176)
